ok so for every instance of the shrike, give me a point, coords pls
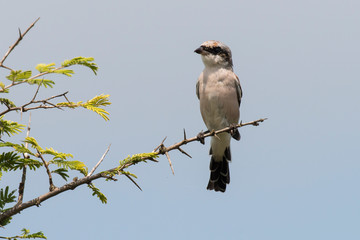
(219, 92)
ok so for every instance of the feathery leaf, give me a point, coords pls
(84, 61)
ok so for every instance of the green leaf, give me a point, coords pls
(42, 67)
(73, 165)
(10, 127)
(57, 155)
(2, 86)
(32, 141)
(6, 197)
(96, 105)
(7, 103)
(26, 234)
(44, 82)
(96, 192)
(31, 163)
(67, 72)
(11, 161)
(136, 158)
(8, 160)
(19, 75)
(18, 148)
(87, 62)
(62, 172)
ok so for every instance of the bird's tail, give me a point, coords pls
(219, 172)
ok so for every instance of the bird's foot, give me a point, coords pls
(200, 137)
(234, 132)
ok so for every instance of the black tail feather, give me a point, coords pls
(219, 173)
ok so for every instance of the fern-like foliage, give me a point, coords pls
(131, 160)
(7, 161)
(96, 192)
(27, 235)
(84, 61)
(6, 197)
(73, 165)
(20, 148)
(135, 159)
(19, 75)
(62, 172)
(11, 161)
(7, 103)
(3, 89)
(9, 127)
(43, 82)
(96, 105)
(57, 155)
(33, 143)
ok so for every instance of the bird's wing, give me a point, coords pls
(197, 90)
(238, 89)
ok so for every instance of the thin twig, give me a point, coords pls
(42, 105)
(176, 146)
(37, 91)
(52, 186)
(23, 177)
(101, 159)
(21, 36)
(161, 149)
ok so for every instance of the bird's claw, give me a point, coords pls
(200, 137)
(234, 132)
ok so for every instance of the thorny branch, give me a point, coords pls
(70, 186)
(53, 191)
(161, 149)
(43, 104)
(101, 159)
(11, 48)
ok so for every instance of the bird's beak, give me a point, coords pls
(199, 50)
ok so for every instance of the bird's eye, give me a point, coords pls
(213, 50)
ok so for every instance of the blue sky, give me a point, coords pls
(294, 177)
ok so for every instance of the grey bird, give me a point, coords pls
(219, 91)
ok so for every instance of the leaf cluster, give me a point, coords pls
(9, 127)
(96, 105)
(27, 235)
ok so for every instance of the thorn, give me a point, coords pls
(163, 140)
(20, 37)
(182, 151)
(168, 157)
(133, 181)
(152, 159)
(184, 134)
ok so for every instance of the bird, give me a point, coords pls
(219, 92)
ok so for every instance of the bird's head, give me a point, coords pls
(215, 54)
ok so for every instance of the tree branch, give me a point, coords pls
(21, 36)
(29, 79)
(101, 159)
(23, 177)
(161, 149)
(43, 104)
(46, 165)
(70, 186)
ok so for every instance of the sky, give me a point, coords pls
(296, 176)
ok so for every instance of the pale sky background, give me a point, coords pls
(296, 176)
